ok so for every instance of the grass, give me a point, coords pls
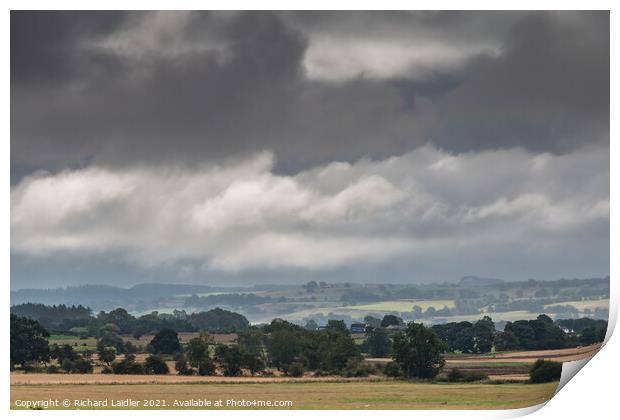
(72, 340)
(321, 395)
(62, 337)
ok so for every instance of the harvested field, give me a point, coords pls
(507, 366)
(335, 395)
(560, 355)
(110, 379)
(513, 378)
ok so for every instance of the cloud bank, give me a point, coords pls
(341, 146)
(243, 216)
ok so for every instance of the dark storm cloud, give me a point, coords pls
(117, 88)
(45, 45)
(547, 91)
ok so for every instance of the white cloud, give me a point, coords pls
(243, 215)
(337, 58)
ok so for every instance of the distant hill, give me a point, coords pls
(473, 281)
(100, 296)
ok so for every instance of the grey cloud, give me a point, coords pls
(425, 144)
(243, 216)
(46, 46)
(224, 84)
(548, 90)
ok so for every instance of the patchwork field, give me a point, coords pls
(324, 395)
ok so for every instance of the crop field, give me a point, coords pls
(308, 395)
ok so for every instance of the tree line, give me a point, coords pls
(416, 350)
(64, 318)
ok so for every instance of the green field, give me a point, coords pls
(496, 316)
(318, 395)
(403, 305)
(584, 304)
(77, 342)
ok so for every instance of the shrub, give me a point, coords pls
(295, 369)
(355, 368)
(206, 367)
(392, 369)
(457, 375)
(82, 366)
(545, 371)
(155, 365)
(52, 369)
(127, 367)
(106, 370)
(183, 368)
(67, 365)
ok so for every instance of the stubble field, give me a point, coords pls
(323, 395)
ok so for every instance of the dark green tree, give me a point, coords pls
(506, 340)
(219, 320)
(391, 320)
(284, 347)
(372, 321)
(166, 341)
(545, 371)
(197, 354)
(107, 355)
(229, 358)
(252, 362)
(378, 343)
(337, 325)
(484, 333)
(28, 342)
(418, 352)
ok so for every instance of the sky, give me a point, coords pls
(242, 148)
